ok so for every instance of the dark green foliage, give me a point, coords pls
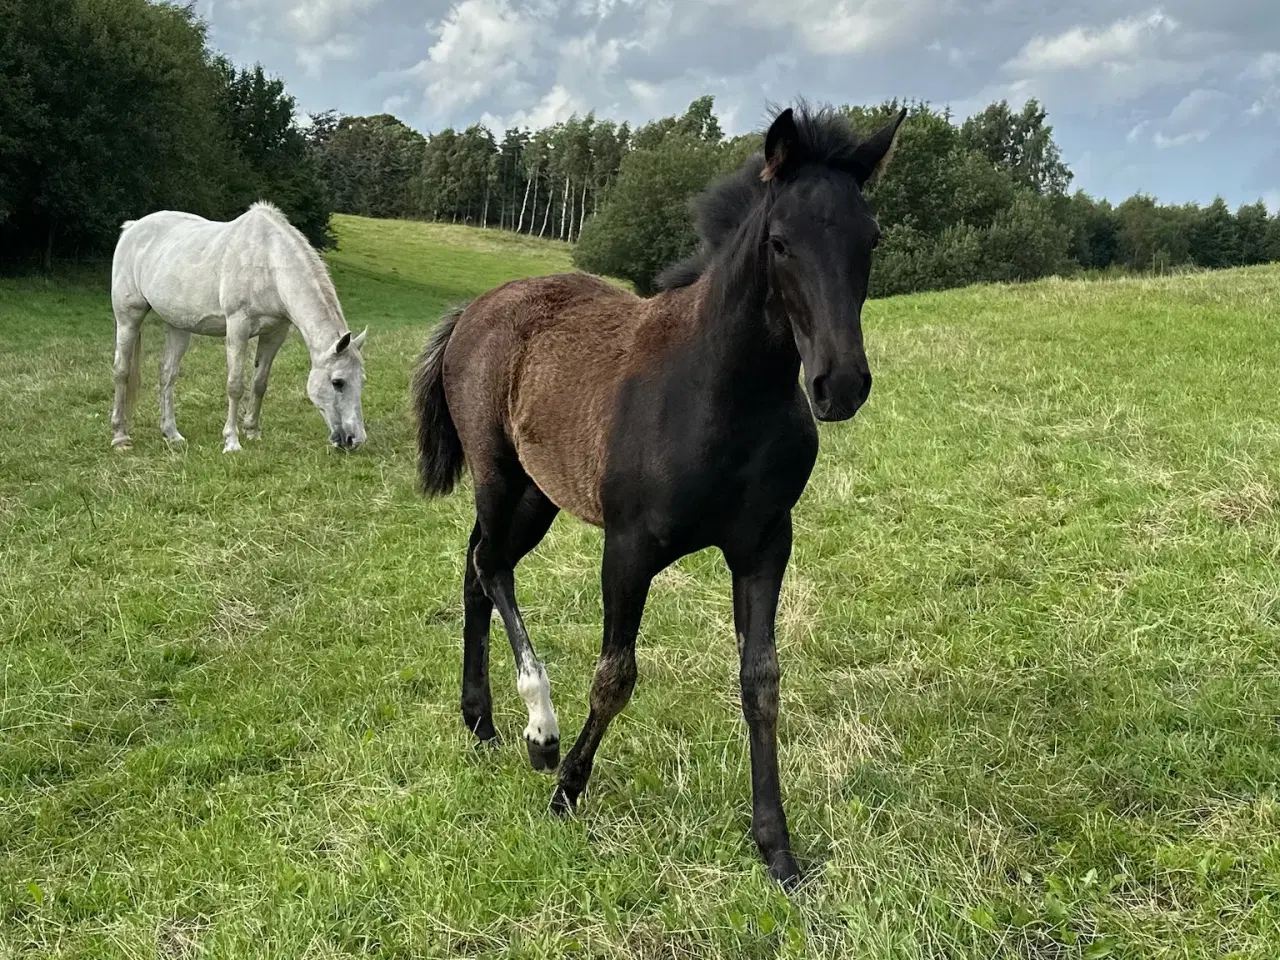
(1024, 242)
(1019, 143)
(1251, 227)
(644, 224)
(1094, 230)
(368, 163)
(110, 109)
(277, 163)
(1153, 237)
(1215, 236)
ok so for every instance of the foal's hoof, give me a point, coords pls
(482, 726)
(783, 868)
(489, 743)
(562, 801)
(543, 756)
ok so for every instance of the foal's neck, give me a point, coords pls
(750, 344)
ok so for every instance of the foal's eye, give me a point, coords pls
(875, 241)
(339, 384)
(779, 246)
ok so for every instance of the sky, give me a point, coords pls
(1179, 100)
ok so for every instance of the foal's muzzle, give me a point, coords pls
(838, 396)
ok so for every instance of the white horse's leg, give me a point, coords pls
(127, 369)
(237, 349)
(269, 344)
(176, 342)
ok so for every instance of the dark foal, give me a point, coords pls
(676, 423)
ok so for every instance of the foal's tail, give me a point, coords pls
(440, 458)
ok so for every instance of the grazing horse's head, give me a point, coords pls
(334, 386)
(818, 236)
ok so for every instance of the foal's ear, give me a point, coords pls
(358, 342)
(873, 153)
(781, 147)
(344, 341)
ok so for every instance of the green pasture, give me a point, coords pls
(1030, 649)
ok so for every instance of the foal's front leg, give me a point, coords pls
(757, 581)
(237, 349)
(626, 575)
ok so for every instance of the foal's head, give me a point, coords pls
(819, 234)
(797, 216)
(334, 386)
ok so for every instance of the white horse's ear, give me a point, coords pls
(344, 341)
(358, 342)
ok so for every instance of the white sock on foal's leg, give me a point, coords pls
(543, 732)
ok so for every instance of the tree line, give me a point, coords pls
(986, 199)
(114, 108)
(110, 109)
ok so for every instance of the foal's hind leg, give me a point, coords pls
(512, 516)
(176, 342)
(533, 518)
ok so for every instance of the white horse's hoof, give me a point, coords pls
(231, 447)
(175, 437)
(252, 434)
(122, 443)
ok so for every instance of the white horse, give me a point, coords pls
(248, 278)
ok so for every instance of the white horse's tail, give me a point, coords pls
(135, 372)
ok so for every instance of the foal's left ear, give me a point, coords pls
(358, 342)
(781, 147)
(873, 152)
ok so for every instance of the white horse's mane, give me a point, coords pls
(313, 257)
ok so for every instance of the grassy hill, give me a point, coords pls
(1029, 644)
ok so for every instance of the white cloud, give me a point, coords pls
(319, 30)
(479, 50)
(1087, 69)
(312, 58)
(833, 27)
(646, 93)
(315, 22)
(1164, 141)
(953, 55)
(556, 106)
(1081, 48)
(1264, 74)
(1265, 67)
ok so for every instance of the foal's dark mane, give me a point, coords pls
(825, 139)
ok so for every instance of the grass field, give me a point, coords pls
(1030, 644)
